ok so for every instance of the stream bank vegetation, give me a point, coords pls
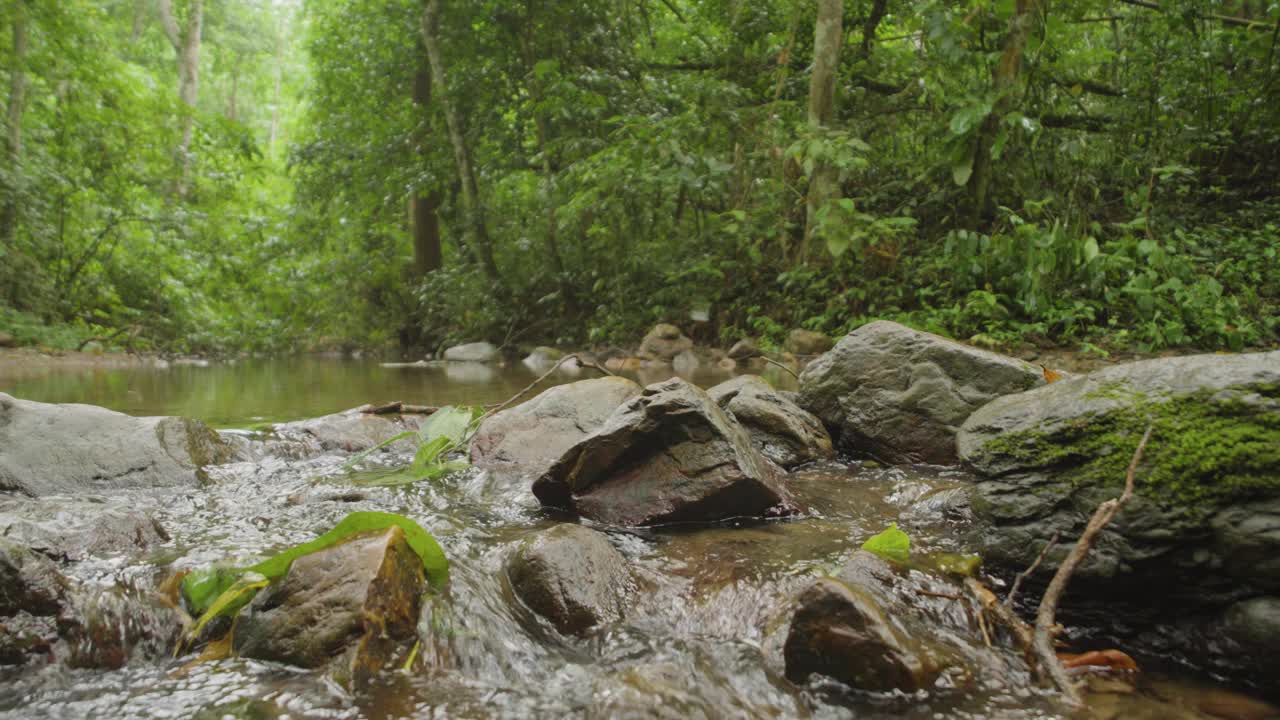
(266, 176)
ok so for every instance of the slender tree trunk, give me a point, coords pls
(17, 102)
(828, 35)
(1004, 78)
(186, 46)
(233, 105)
(424, 208)
(139, 21)
(477, 234)
(275, 100)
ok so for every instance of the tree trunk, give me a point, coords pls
(186, 46)
(1004, 78)
(477, 234)
(424, 215)
(275, 100)
(17, 101)
(233, 105)
(828, 35)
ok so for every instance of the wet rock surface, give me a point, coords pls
(349, 431)
(901, 395)
(663, 343)
(879, 627)
(67, 449)
(668, 455)
(357, 601)
(527, 439)
(29, 582)
(786, 433)
(80, 527)
(1203, 530)
(571, 576)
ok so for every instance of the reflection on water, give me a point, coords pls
(250, 391)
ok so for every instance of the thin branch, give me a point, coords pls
(1049, 662)
(169, 23)
(502, 406)
(1017, 581)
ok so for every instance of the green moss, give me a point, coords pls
(1206, 450)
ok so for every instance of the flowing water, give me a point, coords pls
(702, 639)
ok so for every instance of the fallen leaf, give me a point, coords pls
(1112, 659)
(1051, 376)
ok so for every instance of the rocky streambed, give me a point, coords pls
(619, 551)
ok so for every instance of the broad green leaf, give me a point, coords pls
(1090, 249)
(892, 544)
(231, 600)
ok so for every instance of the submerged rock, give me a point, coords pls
(877, 627)
(349, 431)
(663, 343)
(808, 342)
(356, 602)
(744, 350)
(900, 394)
(480, 352)
(669, 455)
(29, 582)
(786, 433)
(76, 528)
(69, 449)
(527, 439)
(572, 576)
(1203, 530)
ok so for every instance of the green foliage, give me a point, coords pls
(891, 544)
(219, 591)
(444, 433)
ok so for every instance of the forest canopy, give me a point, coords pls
(273, 175)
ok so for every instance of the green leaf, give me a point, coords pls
(231, 600)
(961, 171)
(1090, 249)
(891, 544)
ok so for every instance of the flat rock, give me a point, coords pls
(572, 576)
(782, 430)
(527, 439)
(901, 395)
(67, 449)
(669, 455)
(356, 602)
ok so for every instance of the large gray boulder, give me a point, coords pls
(786, 433)
(900, 394)
(1203, 530)
(572, 576)
(66, 449)
(668, 455)
(663, 343)
(527, 439)
(356, 602)
(480, 352)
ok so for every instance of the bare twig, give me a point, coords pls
(1049, 663)
(784, 367)
(502, 406)
(1017, 581)
(930, 593)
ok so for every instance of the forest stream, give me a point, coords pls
(703, 636)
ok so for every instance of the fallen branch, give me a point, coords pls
(1045, 617)
(398, 407)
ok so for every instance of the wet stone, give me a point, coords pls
(571, 576)
(786, 434)
(357, 601)
(669, 455)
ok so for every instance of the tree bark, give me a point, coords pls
(828, 35)
(477, 233)
(1004, 79)
(186, 46)
(17, 101)
(424, 208)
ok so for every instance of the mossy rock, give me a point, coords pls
(1046, 458)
